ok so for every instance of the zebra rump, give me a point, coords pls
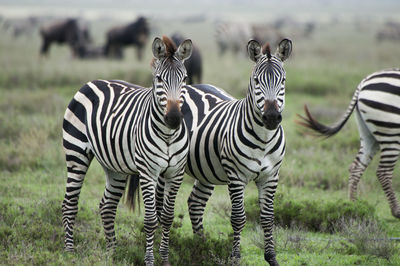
(376, 102)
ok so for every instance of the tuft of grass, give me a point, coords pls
(367, 236)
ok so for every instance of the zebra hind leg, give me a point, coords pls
(238, 218)
(78, 161)
(197, 203)
(357, 169)
(115, 187)
(368, 148)
(388, 159)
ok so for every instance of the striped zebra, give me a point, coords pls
(131, 131)
(376, 102)
(233, 142)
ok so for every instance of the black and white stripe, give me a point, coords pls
(233, 142)
(377, 107)
(132, 131)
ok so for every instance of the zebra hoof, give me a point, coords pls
(396, 213)
(166, 263)
(235, 261)
(149, 260)
(235, 258)
(69, 249)
(200, 233)
(271, 259)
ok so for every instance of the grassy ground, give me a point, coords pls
(311, 228)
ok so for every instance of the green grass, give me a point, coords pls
(316, 224)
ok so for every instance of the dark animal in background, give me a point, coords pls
(135, 33)
(193, 65)
(88, 51)
(65, 31)
(390, 32)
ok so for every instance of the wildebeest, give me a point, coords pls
(66, 31)
(88, 51)
(193, 64)
(390, 31)
(135, 33)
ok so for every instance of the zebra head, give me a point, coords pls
(267, 83)
(169, 76)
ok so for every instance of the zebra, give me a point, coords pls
(375, 102)
(233, 142)
(131, 131)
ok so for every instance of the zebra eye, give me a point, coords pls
(256, 80)
(283, 80)
(184, 79)
(159, 80)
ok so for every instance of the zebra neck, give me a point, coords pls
(157, 122)
(252, 121)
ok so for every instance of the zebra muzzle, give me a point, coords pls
(173, 117)
(271, 117)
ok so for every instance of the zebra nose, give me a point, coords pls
(271, 117)
(173, 117)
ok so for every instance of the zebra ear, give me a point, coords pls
(184, 50)
(254, 50)
(284, 49)
(159, 48)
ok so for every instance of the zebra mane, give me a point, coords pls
(169, 45)
(267, 50)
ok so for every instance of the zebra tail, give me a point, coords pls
(323, 130)
(132, 191)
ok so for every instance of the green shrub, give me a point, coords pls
(313, 215)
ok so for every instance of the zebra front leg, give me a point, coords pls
(172, 186)
(384, 173)
(147, 185)
(160, 196)
(197, 203)
(77, 165)
(115, 187)
(238, 217)
(266, 192)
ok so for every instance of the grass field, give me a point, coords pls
(315, 223)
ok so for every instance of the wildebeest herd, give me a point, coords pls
(150, 137)
(77, 37)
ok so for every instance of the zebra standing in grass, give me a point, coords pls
(130, 130)
(233, 142)
(376, 101)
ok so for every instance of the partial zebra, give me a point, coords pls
(233, 142)
(376, 102)
(131, 131)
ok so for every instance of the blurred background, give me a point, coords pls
(49, 49)
(346, 38)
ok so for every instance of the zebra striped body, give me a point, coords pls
(234, 142)
(223, 137)
(376, 103)
(132, 131)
